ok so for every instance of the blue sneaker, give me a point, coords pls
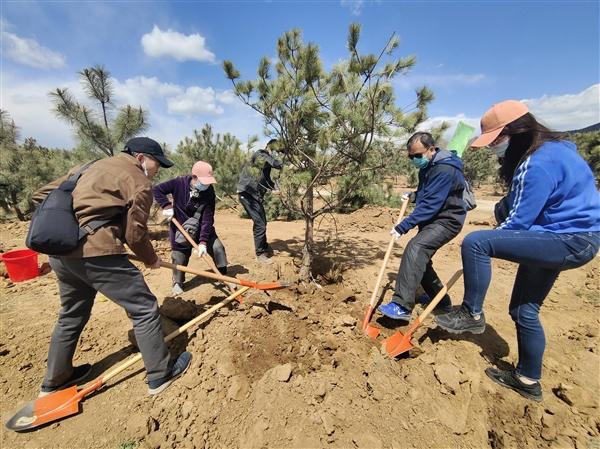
(394, 311)
(443, 306)
(179, 367)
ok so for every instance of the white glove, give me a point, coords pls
(396, 233)
(168, 213)
(201, 250)
(408, 196)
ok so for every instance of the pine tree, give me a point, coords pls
(223, 152)
(25, 168)
(337, 128)
(101, 131)
(588, 146)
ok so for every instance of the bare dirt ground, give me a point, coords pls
(292, 368)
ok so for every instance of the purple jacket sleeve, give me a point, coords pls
(160, 192)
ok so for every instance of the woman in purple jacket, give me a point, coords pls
(193, 198)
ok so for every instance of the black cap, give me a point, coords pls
(148, 146)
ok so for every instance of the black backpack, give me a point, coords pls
(469, 196)
(54, 229)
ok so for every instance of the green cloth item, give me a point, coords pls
(460, 138)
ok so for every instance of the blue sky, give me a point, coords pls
(166, 56)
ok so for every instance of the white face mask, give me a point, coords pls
(500, 149)
(144, 168)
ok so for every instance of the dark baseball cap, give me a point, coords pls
(150, 147)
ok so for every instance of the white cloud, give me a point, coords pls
(142, 91)
(194, 101)
(174, 110)
(227, 97)
(29, 106)
(354, 5)
(567, 112)
(150, 93)
(179, 46)
(30, 52)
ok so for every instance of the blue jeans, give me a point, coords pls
(541, 257)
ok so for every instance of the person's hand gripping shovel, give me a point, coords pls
(399, 342)
(371, 330)
(202, 253)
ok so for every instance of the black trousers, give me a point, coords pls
(120, 281)
(256, 210)
(416, 266)
(215, 249)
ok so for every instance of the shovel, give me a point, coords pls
(65, 402)
(399, 342)
(371, 330)
(205, 257)
(220, 277)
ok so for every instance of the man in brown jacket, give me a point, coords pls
(116, 188)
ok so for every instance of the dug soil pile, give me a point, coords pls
(293, 369)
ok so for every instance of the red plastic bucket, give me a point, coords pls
(21, 264)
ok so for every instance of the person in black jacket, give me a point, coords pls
(439, 214)
(254, 182)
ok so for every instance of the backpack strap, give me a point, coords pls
(91, 226)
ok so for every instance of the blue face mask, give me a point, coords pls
(201, 187)
(420, 162)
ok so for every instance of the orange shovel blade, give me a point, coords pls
(47, 409)
(398, 343)
(371, 331)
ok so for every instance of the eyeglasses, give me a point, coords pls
(418, 155)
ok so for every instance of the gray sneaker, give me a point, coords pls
(177, 290)
(263, 258)
(179, 367)
(460, 320)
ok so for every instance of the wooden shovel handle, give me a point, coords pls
(206, 274)
(205, 257)
(174, 334)
(434, 302)
(219, 277)
(386, 258)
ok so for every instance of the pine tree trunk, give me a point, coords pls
(308, 248)
(15, 201)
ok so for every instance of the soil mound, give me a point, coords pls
(292, 368)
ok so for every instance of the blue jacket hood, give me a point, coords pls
(439, 194)
(442, 156)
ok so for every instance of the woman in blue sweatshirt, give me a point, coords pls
(553, 224)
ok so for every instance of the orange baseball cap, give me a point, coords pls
(204, 172)
(496, 118)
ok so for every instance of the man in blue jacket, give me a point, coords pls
(439, 214)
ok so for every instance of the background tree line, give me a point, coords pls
(340, 129)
